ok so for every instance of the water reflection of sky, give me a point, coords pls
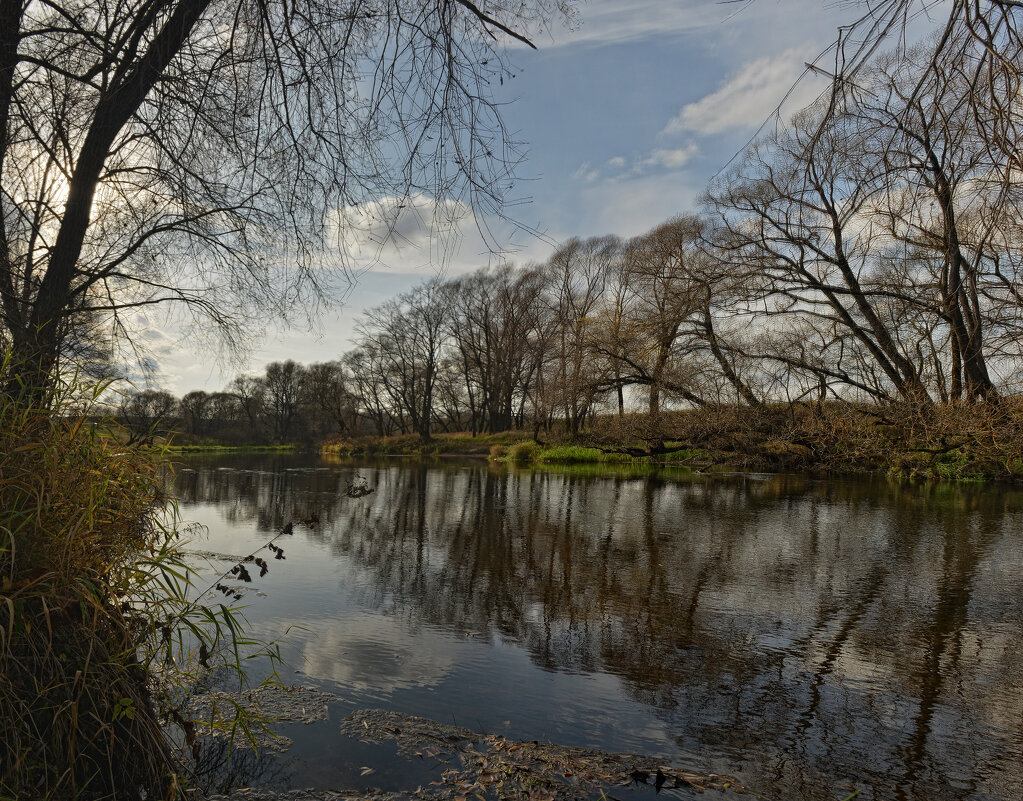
(807, 635)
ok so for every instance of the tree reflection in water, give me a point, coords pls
(810, 635)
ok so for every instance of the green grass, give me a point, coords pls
(228, 448)
(682, 455)
(578, 454)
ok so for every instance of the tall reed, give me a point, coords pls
(99, 640)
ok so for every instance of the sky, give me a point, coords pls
(625, 116)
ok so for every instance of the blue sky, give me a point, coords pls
(624, 118)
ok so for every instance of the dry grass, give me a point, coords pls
(957, 441)
(76, 511)
(102, 634)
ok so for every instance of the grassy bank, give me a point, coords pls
(75, 513)
(215, 448)
(974, 442)
(462, 444)
(531, 452)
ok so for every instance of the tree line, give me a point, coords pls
(868, 250)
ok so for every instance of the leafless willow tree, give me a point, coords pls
(662, 276)
(805, 223)
(885, 218)
(577, 275)
(209, 152)
(951, 199)
(407, 336)
(989, 29)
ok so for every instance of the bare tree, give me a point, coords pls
(802, 217)
(664, 285)
(408, 334)
(197, 411)
(147, 414)
(577, 274)
(205, 151)
(496, 319)
(281, 396)
(950, 199)
(988, 29)
(369, 387)
(325, 391)
(249, 393)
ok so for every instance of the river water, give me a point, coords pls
(811, 637)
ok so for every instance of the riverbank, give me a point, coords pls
(976, 442)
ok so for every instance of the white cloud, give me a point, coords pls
(635, 204)
(658, 159)
(750, 96)
(604, 22)
(671, 159)
(421, 234)
(612, 22)
(585, 173)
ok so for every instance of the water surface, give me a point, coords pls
(812, 637)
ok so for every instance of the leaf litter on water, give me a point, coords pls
(492, 767)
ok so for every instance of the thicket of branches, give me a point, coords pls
(213, 153)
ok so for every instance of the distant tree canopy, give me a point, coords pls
(207, 152)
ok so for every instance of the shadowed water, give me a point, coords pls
(812, 637)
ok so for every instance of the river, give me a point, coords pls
(813, 637)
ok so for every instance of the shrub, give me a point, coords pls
(523, 452)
